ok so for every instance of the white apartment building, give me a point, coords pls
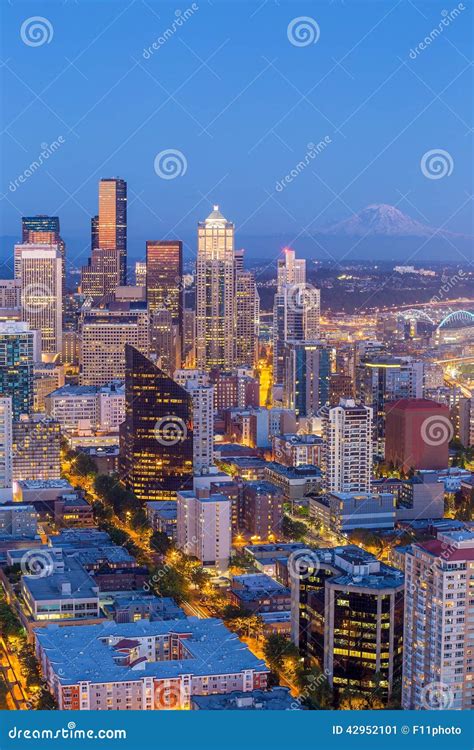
(202, 394)
(98, 408)
(204, 527)
(347, 447)
(438, 666)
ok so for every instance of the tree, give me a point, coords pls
(315, 689)
(160, 542)
(293, 530)
(277, 649)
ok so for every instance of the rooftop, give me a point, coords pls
(86, 653)
(276, 699)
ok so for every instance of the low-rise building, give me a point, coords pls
(163, 517)
(67, 595)
(297, 450)
(345, 511)
(295, 482)
(276, 699)
(262, 509)
(18, 521)
(259, 593)
(145, 665)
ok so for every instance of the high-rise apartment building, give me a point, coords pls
(112, 224)
(202, 395)
(19, 349)
(41, 295)
(164, 280)
(439, 622)
(6, 443)
(36, 448)
(247, 311)
(347, 451)
(215, 290)
(156, 438)
(204, 527)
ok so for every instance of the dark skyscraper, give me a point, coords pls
(156, 439)
(112, 224)
(94, 233)
(164, 280)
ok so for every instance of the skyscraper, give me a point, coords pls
(437, 649)
(101, 276)
(19, 349)
(347, 451)
(247, 305)
(156, 438)
(290, 270)
(306, 377)
(45, 230)
(41, 295)
(164, 280)
(202, 394)
(6, 443)
(112, 225)
(215, 288)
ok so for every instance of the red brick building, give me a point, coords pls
(417, 434)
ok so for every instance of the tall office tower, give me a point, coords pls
(156, 438)
(306, 378)
(466, 421)
(36, 448)
(189, 338)
(41, 296)
(94, 233)
(347, 448)
(140, 273)
(202, 394)
(204, 527)
(215, 305)
(164, 280)
(6, 443)
(290, 270)
(439, 621)
(43, 230)
(417, 434)
(19, 349)
(101, 276)
(246, 314)
(104, 332)
(347, 618)
(380, 379)
(112, 229)
(164, 341)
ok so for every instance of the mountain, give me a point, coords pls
(382, 220)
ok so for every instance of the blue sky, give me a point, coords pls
(241, 102)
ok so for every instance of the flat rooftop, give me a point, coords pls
(276, 699)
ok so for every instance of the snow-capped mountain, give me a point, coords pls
(380, 220)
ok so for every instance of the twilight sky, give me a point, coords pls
(241, 95)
